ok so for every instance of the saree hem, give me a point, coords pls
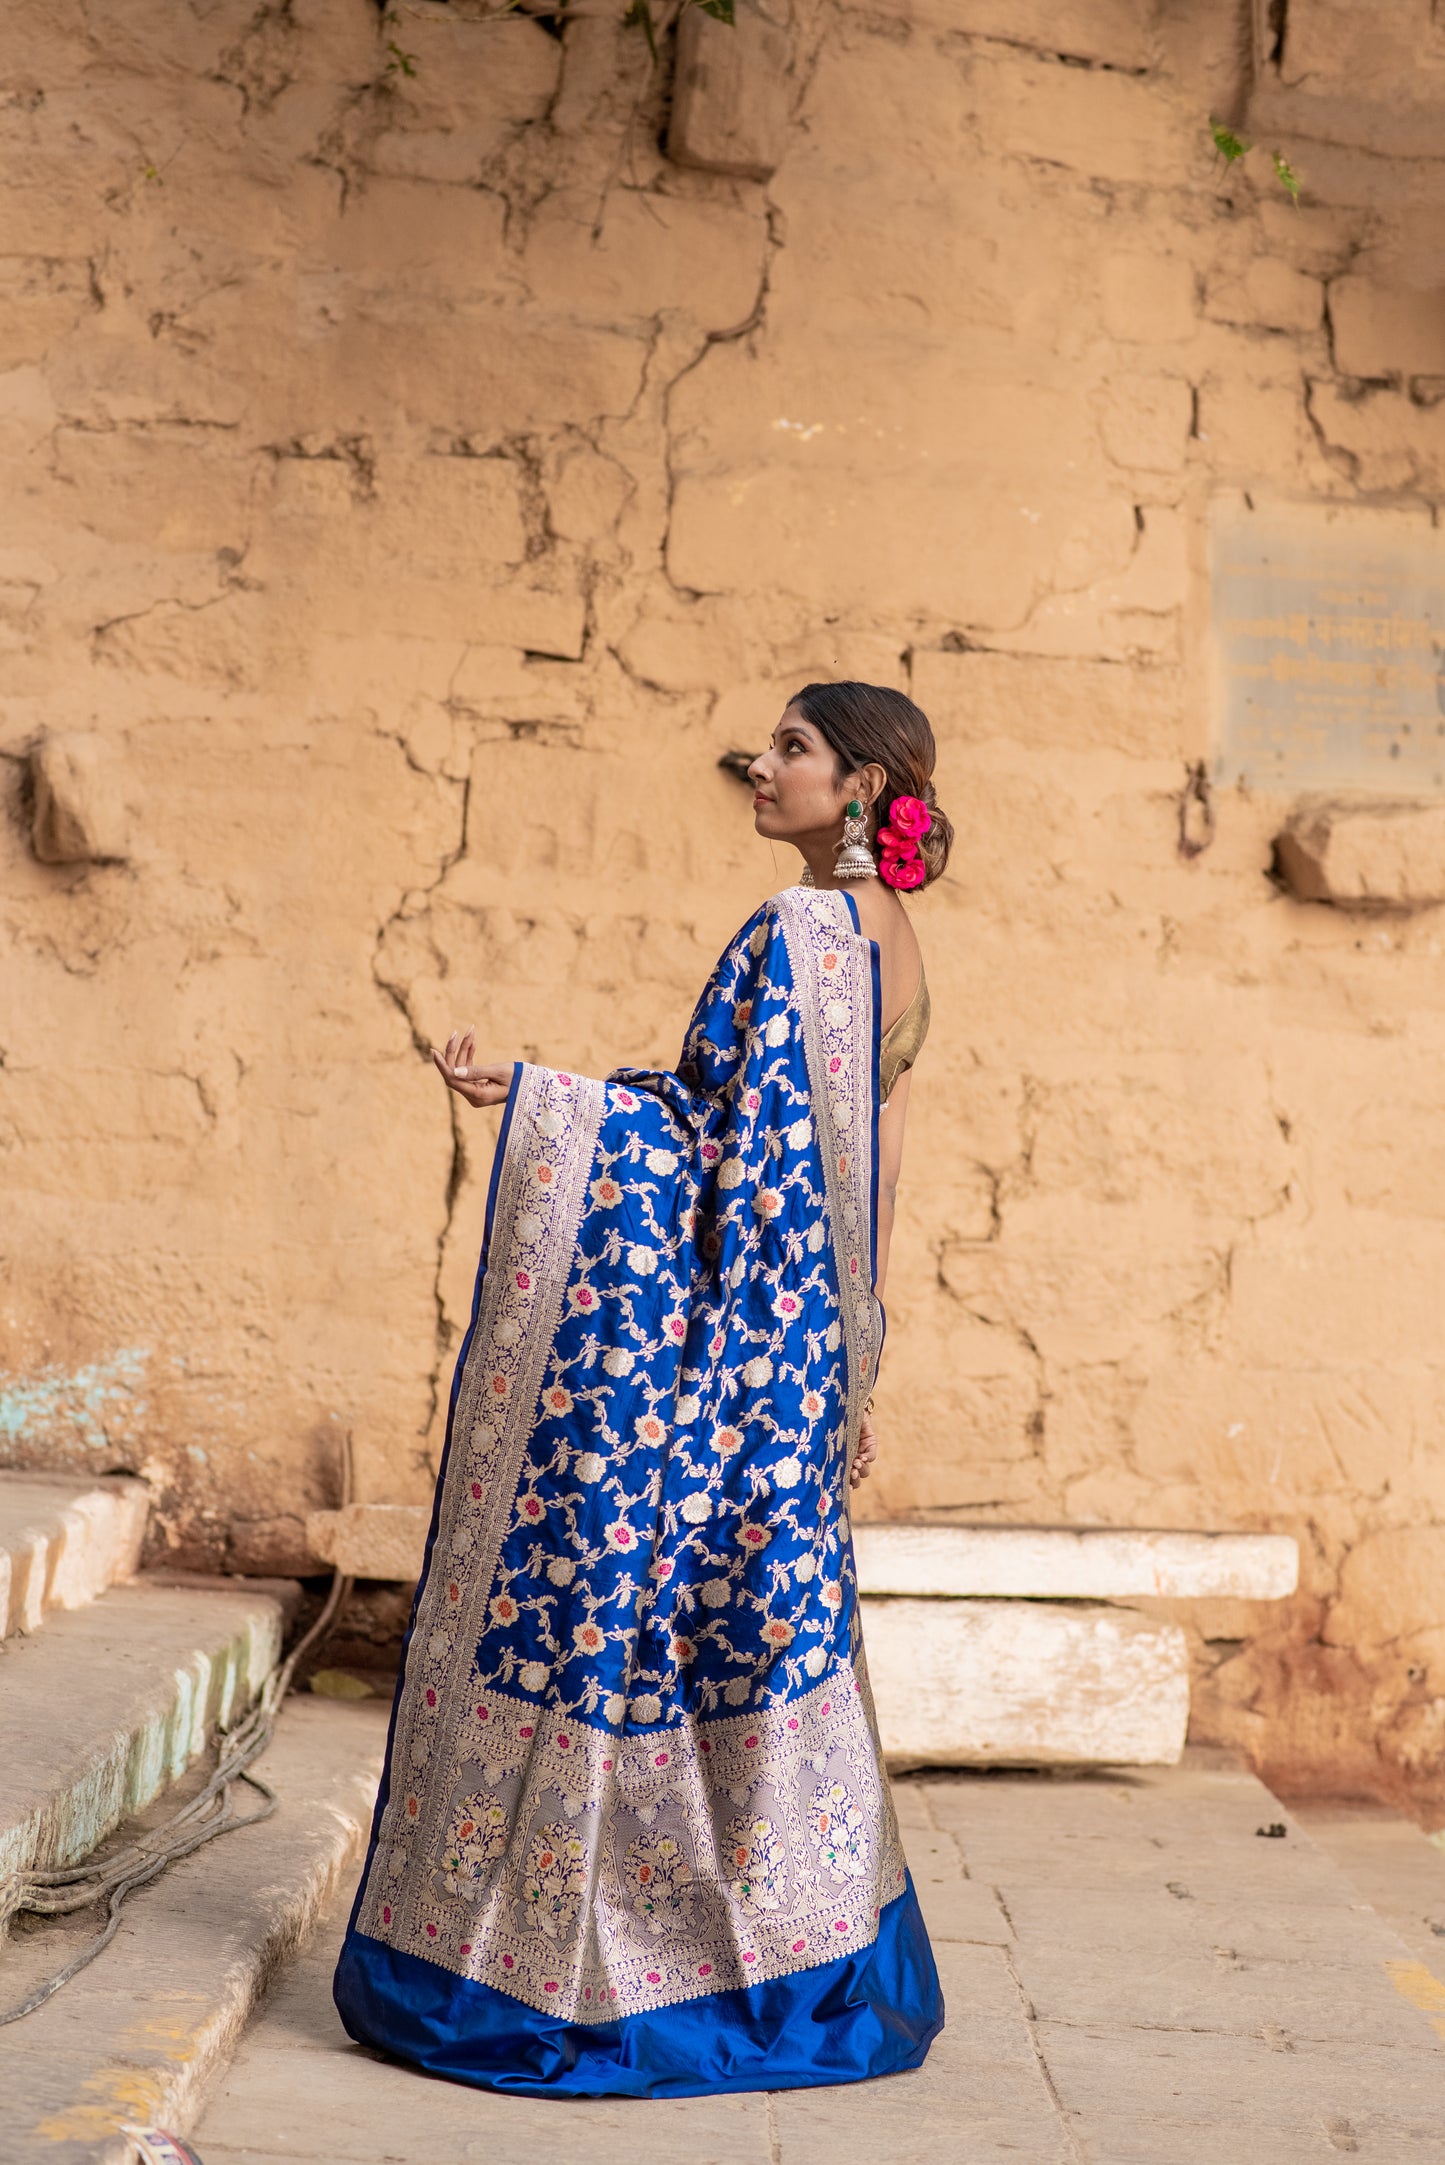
(871, 2013)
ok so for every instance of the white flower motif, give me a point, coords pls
(757, 939)
(715, 1593)
(606, 1191)
(504, 1610)
(590, 1466)
(757, 1371)
(688, 1407)
(800, 1134)
(682, 1648)
(618, 1361)
(614, 1706)
(561, 1571)
(642, 1260)
(776, 1032)
(749, 1535)
(804, 1569)
(735, 1691)
(588, 1638)
(506, 1333)
(833, 1336)
(815, 1660)
(438, 1644)
(812, 1404)
(620, 1537)
(529, 1226)
(836, 1012)
(788, 1472)
(788, 1307)
(726, 1440)
(697, 1508)
(730, 1173)
(777, 1633)
(532, 1675)
(817, 1234)
(648, 1428)
(548, 1123)
(647, 1707)
(462, 1540)
(556, 1399)
(661, 1161)
(768, 1202)
(831, 1594)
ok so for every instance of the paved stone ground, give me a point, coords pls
(1134, 1977)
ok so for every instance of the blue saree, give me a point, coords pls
(634, 1836)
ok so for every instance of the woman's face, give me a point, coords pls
(798, 793)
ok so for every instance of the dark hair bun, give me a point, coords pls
(871, 723)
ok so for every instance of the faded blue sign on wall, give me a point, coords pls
(1329, 648)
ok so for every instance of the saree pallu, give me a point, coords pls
(634, 1835)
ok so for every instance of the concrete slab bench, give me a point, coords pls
(986, 1645)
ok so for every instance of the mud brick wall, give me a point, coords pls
(428, 444)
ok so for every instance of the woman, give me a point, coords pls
(634, 1835)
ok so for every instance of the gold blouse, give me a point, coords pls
(903, 1041)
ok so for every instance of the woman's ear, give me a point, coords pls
(872, 781)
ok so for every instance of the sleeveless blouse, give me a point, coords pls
(903, 1041)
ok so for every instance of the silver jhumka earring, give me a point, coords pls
(855, 860)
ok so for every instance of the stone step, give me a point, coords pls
(1062, 1563)
(110, 1702)
(1025, 1684)
(63, 1542)
(137, 2038)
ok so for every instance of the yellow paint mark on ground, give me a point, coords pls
(1422, 1988)
(120, 2093)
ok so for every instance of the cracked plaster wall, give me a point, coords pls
(418, 482)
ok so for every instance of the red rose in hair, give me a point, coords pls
(904, 872)
(894, 844)
(909, 816)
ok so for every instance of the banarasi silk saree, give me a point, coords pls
(635, 1836)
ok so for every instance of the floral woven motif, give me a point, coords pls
(634, 1759)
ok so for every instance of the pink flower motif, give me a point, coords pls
(627, 1101)
(704, 1969)
(753, 1100)
(910, 816)
(523, 1280)
(750, 1956)
(660, 1759)
(550, 1985)
(799, 1945)
(386, 1916)
(750, 1744)
(564, 1744)
(654, 1977)
(431, 1697)
(506, 1962)
(906, 873)
(527, 1731)
(431, 1931)
(834, 1064)
(476, 1491)
(711, 1152)
(484, 1713)
(607, 1766)
(840, 1924)
(465, 1948)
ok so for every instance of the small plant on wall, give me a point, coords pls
(1231, 148)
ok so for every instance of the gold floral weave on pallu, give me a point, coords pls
(588, 1872)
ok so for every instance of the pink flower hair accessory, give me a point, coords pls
(904, 872)
(894, 844)
(909, 816)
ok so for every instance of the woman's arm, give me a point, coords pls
(478, 1085)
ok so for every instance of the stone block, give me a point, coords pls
(1092, 120)
(1391, 1585)
(731, 93)
(1145, 421)
(1149, 299)
(371, 1540)
(1384, 330)
(1271, 293)
(1115, 33)
(1059, 1563)
(80, 814)
(1025, 1683)
(1363, 856)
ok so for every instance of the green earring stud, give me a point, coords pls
(855, 809)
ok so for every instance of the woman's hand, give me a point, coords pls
(457, 1068)
(865, 1454)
